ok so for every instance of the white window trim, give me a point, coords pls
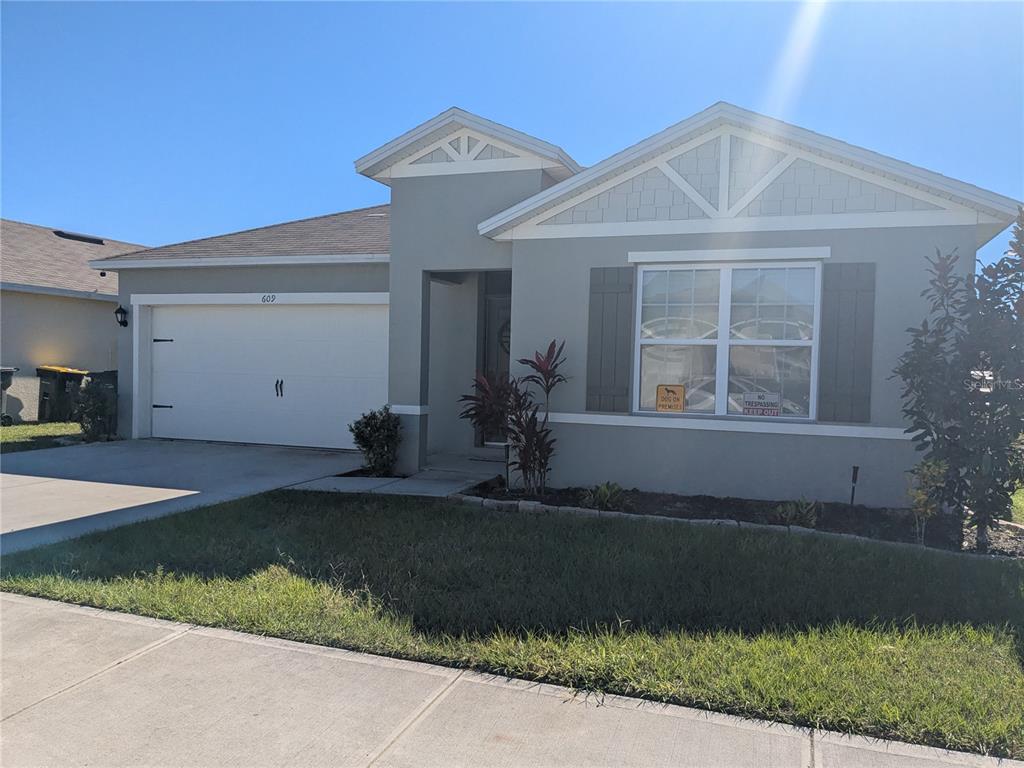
(815, 252)
(723, 342)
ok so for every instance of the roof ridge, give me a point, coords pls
(255, 229)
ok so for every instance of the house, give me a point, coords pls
(54, 309)
(769, 270)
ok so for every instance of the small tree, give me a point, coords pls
(963, 383)
(927, 491)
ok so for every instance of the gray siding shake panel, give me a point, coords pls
(610, 339)
(847, 336)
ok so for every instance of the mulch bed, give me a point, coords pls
(1007, 541)
(887, 524)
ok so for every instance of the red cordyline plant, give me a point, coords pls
(545, 370)
(509, 408)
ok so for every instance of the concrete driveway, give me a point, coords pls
(60, 493)
(83, 687)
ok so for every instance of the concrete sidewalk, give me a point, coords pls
(89, 687)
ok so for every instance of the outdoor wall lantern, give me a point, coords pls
(122, 316)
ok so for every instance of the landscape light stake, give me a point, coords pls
(853, 483)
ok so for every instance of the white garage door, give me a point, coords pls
(282, 375)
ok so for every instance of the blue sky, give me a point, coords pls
(161, 122)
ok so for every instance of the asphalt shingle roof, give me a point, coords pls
(37, 256)
(362, 231)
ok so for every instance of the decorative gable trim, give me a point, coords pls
(466, 151)
(954, 201)
(755, 182)
(470, 143)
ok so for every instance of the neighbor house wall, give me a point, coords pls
(550, 299)
(39, 329)
(328, 278)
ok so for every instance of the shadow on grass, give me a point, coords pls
(463, 571)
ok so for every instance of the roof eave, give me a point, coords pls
(115, 263)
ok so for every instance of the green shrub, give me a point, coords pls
(378, 434)
(608, 496)
(96, 410)
(802, 513)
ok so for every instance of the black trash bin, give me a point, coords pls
(57, 387)
(6, 377)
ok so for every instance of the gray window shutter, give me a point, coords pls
(847, 338)
(610, 338)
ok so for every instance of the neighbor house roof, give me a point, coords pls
(45, 260)
(983, 200)
(359, 235)
(452, 120)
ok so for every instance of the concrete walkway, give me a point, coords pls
(87, 687)
(60, 493)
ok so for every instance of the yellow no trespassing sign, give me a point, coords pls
(671, 398)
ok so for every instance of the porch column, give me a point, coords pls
(409, 363)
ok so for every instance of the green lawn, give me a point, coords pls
(29, 437)
(1017, 513)
(912, 644)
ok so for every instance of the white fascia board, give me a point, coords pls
(815, 253)
(750, 424)
(263, 299)
(66, 293)
(456, 116)
(723, 113)
(883, 220)
(242, 261)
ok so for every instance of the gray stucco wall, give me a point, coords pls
(434, 228)
(328, 278)
(551, 281)
(741, 464)
(453, 361)
(549, 299)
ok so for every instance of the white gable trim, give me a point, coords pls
(465, 160)
(993, 207)
(376, 163)
(949, 213)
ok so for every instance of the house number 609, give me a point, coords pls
(269, 298)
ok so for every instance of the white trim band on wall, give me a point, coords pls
(730, 425)
(410, 410)
(266, 299)
(731, 254)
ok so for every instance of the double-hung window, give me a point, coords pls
(741, 339)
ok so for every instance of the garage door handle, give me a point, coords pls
(157, 341)
(282, 387)
(279, 387)
(162, 406)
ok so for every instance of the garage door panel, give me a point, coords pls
(219, 372)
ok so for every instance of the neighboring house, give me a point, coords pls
(770, 270)
(54, 309)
